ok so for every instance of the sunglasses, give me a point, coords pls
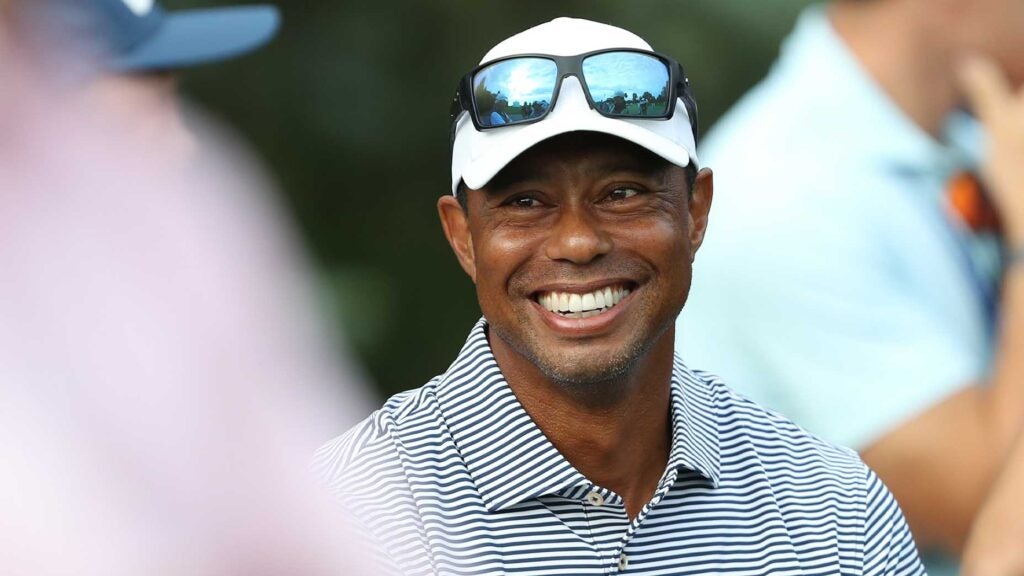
(618, 83)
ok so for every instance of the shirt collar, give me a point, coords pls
(694, 425)
(509, 457)
(853, 106)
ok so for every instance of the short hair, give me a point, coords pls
(690, 175)
(460, 195)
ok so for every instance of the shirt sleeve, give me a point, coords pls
(889, 548)
(829, 309)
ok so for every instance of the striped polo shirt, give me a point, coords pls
(456, 478)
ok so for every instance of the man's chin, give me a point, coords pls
(581, 367)
(587, 370)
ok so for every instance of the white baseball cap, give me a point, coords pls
(478, 155)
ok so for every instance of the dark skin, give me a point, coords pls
(574, 214)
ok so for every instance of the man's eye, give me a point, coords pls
(622, 193)
(523, 202)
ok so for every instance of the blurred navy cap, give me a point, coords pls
(139, 35)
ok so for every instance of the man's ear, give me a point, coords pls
(455, 223)
(700, 205)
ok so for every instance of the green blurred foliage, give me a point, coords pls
(349, 109)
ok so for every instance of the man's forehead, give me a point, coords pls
(602, 153)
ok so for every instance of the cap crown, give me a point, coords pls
(139, 7)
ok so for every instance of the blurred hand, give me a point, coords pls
(995, 546)
(1001, 109)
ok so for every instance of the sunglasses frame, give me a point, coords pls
(679, 88)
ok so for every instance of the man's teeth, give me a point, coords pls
(583, 305)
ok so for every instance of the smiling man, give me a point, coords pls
(567, 438)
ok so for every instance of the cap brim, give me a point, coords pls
(191, 37)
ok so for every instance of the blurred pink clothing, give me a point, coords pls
(164, 374)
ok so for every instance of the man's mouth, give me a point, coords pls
(582, 305)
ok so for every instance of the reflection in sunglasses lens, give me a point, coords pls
(514, 91)
(627, 84)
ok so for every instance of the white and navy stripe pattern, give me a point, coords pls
(455, 478)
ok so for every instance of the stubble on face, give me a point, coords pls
(592, 381)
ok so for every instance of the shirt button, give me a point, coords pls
(623, 562)
(595, 498)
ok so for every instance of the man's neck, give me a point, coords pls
(909, 64)
(622, 445)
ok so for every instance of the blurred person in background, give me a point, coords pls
(996, 543)
(861, 278)
(567, 437)
(994, 547)
(163, 368)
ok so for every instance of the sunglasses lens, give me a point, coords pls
(627, 84)
(514, 91)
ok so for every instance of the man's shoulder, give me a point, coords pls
(746, 425)
(822, 491)
(371, 445)
(367, 470)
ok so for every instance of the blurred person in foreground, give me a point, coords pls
(566, 437)
(163, 369)
(860, 278)
(127, 52)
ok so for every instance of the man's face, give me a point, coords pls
(581, 251)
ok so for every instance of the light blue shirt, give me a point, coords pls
(832, 286)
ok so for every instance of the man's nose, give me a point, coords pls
(577, 237)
